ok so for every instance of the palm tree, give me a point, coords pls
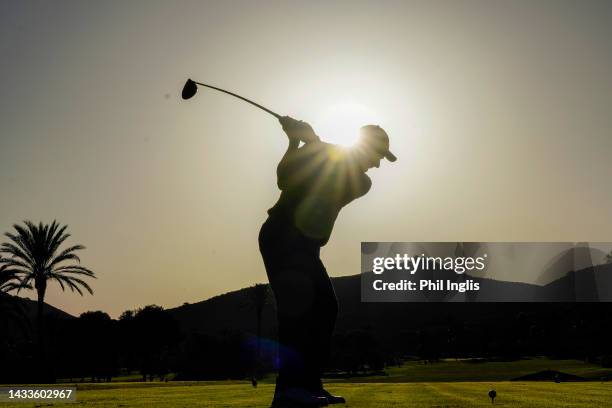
(34, 258)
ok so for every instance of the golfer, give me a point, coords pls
(316, 180)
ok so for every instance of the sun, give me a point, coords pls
(339, 123)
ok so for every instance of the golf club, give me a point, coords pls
(191, 87)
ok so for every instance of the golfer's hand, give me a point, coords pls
(298, 130)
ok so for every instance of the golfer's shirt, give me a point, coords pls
(317, 180)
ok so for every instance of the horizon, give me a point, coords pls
(602, 263)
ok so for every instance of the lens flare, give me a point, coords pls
(340, 122)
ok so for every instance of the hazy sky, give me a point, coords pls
(499, 113)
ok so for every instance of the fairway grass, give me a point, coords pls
(358, 395)
(451, 370)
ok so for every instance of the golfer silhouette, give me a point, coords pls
(316, 180)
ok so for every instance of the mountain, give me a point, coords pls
(30, 307)
(231, 311)
(18, 316)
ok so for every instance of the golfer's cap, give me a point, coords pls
(375, 138)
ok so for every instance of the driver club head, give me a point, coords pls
(189, 90)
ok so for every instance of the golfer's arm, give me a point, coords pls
(293, 146)
(296, 138)
(287, 162)
(311, 139)
(281, 169)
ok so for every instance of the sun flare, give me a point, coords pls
(340, 122)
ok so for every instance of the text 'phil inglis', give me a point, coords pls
(427, 284)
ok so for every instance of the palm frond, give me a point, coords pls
(63, 280)
(8, 262)
(8, 279)
(66, 255)
(7, 287)
(75, 269)
(52, 239)
(73, 283)
(11, 278)
(83, 284)
(25, 237)
(58, 280)
(25, 283)
(20, 250)
(58, 239)
(20, 273)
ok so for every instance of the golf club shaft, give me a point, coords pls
(240, 97)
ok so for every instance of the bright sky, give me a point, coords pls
(499, 113)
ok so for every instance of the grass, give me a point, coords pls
(446, 384)
(452, 370)
(439, 394)
(467, 370)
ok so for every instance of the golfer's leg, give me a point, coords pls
(326, 308)
(321, 320)
(294, 291)
(278, 268)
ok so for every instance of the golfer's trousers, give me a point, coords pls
(305, 300)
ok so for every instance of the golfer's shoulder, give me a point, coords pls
(365, 183)
(366, 179)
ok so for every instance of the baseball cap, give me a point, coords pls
(375, 138)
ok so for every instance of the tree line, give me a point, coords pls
(40, 346)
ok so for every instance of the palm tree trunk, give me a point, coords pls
(45, 372)
(40, 289)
